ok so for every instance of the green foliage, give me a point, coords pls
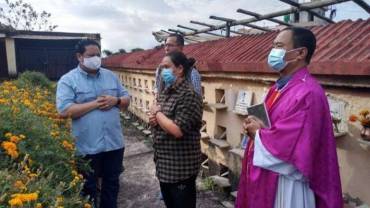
(44, 162)
(30, 79)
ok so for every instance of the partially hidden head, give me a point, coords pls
(174, 42)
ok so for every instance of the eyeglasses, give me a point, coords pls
(170, 45)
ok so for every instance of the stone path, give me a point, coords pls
(139, 186)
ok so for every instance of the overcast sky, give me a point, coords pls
(129, 24)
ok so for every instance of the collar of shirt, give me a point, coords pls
(87, 74)
(175, 88)
(282, 81)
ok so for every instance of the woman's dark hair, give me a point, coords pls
(191, 61)
(81, 45)
(178, 58)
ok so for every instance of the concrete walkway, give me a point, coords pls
(139, 186)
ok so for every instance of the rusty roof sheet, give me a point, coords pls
(343, 48)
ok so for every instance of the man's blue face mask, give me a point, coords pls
(276, 59)
(168, 77)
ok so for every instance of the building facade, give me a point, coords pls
(235, 75)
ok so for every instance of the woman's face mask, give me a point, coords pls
(168, 77)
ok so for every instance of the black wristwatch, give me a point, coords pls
(118, 102)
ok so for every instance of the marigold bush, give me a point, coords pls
(38, 167)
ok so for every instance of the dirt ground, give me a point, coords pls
(139, 186)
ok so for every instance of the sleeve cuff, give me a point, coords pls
(64, 107)
(264, 159)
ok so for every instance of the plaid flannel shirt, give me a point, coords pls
(179, 159)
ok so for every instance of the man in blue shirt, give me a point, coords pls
(175, 42)
(93, 97)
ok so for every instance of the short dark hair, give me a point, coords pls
(303, 37)
(81, 45)
(192, 61)
(179, 38)
(178, 58)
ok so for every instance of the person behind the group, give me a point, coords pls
(175, 42)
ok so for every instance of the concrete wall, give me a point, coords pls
(354, 159)
(142, 92)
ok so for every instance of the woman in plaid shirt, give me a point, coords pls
(177, 118)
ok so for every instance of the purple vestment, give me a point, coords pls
(301, 134)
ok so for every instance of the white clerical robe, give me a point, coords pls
(293, 190)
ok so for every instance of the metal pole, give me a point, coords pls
(363, 5)
(258, 16)
(311, 5)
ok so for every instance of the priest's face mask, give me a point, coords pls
(283, 54)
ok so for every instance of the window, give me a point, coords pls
(296, 17)
(220, 96)
(221, 133)
(310, 17)
(147, 105)
(141, 104)
(146, 84)
(204, 126)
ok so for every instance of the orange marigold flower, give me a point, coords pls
(10, 148)
(87, 205)
(32, 175)
(60, 199)
(14, 139)
(353, 118)
(9, 145)
(18, 199)
(67, 145)
(15, 202)
(19, 185)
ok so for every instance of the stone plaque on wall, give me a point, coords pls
(243, 101)
(337, 111)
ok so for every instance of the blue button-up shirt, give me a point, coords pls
(96, 131)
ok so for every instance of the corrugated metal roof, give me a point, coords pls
(23, 33)
(343, 48)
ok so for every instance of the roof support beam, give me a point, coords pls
(363, 5)
(304, 7)
(300, 6)
(258, 16)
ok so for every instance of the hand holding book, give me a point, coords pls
(257, 118)
(251, 125)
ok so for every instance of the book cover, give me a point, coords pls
(260, 111)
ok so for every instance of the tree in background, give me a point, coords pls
(22, 16)
(107, 52)
(137, 49)
(121, 51)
